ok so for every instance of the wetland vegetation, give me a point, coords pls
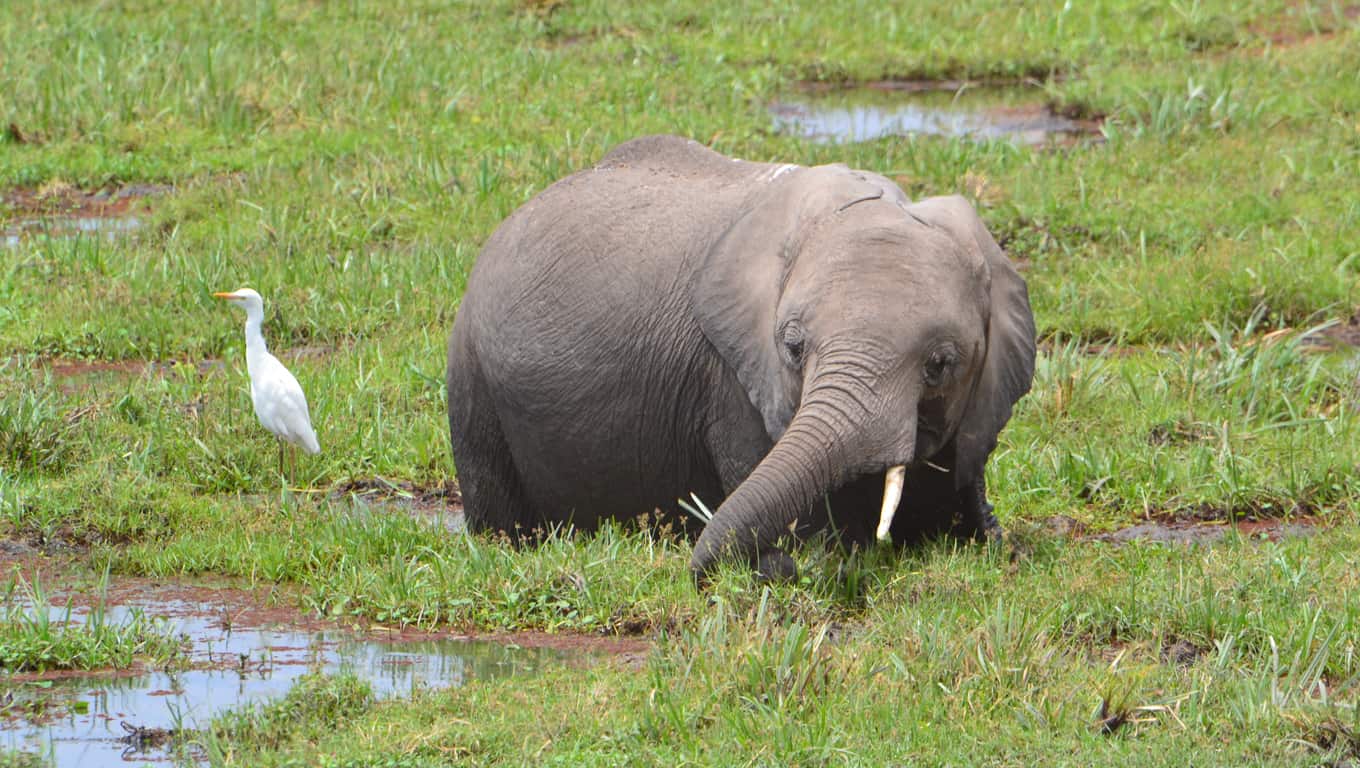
(1192, 267)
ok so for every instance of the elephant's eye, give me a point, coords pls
(937, 367)
(793, 344)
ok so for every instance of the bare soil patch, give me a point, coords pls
(1340, 335)
(76, 376)
(49, 561)
(1201, 532)
(67, 369)
(1291, 28)
(422, 500)
(307, 352)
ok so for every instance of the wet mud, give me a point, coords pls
(77, 376)
(1188, 530)
(438, 504)
(62, 211)
(979, 111)
(74, 376)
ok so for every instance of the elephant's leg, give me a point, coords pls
(493, 494)
(735, 438)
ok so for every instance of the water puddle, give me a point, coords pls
(107, 227)
(238, 653)
(60, 211)
(978, 112)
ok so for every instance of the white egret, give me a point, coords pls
(280, 404)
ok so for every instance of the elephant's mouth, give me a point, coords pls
(930, 439)
(894, 478)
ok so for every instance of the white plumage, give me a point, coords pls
(280, 404)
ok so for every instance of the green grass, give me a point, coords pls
(1242, 653)
(309, 710)
(349, 159)
(20, 760)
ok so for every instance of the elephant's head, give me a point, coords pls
(870, 332)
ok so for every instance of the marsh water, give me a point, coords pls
(235, 657)
(886, 109)
(108, 227)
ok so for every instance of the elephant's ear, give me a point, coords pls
(736, 293)
(1009, 366)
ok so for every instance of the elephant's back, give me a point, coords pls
(618, 235)
(680, 157)
(578, 315)
(587, 279)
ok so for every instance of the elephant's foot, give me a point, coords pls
(984, 528)
(775, 565)
(988, 528)
(975, 521)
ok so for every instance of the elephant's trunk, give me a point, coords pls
(810, 459)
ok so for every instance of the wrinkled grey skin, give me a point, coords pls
(769, 337)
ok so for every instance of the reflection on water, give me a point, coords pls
(980, 113)
(226, 669)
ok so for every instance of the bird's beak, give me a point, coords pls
(225, 295)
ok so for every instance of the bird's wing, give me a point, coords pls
(282, 407)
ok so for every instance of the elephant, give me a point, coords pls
(795, 345)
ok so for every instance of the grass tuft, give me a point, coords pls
(35, 434)
(36, 638)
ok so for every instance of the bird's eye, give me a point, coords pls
(937, 367)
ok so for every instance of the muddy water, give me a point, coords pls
(236, 656)
(66, 212)
(108, 227)
(980, 113)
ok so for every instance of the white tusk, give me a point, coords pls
(892, 494)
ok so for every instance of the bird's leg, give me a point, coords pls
(282, 477)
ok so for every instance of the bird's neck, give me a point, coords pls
(255, 346)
